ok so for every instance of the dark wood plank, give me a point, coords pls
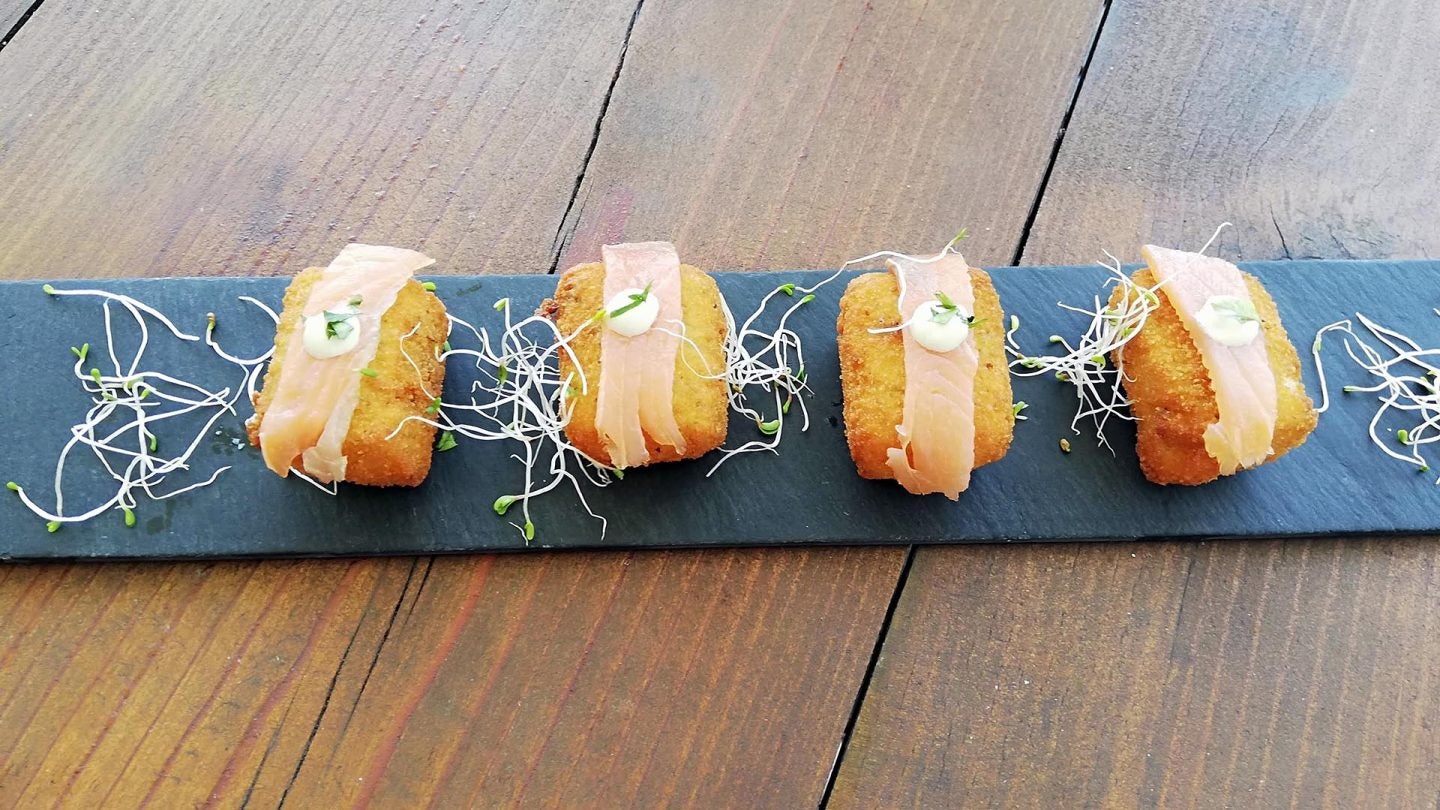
(1304, 123)
(727, 676)
(1232, 674)
(810, 133)
(199, 138)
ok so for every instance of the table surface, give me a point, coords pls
(183, 137)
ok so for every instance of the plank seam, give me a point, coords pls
(24, 18)
(864, 688)
(562, 233)
(1060, 136)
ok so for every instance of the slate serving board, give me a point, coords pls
(1335, 484)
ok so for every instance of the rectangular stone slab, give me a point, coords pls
(1336, 484)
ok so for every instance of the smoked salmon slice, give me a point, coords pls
(635, 395)
(937, 428)
(315, 399)
(1241, 377)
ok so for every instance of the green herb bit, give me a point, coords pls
(503, 503)
(1018, 407)
(1350, 389)
(529, 531)
(1056, 339)
(963, 234)
(1065, 445)
(788, 289)
(1403, 435)
(427, 286)
(338, 325)
(357, 300)
(800, 375)
(619, 474)
(1098, 359)
(1029, 362)
(369, 372)
(445, 347)
(154, 442)
(53, 526)
(808, 298)
(1241, 309)
(447, 442)
(1014, 324)
(209, 322)
(82, 351)
(434, 406)
(1425, 468)
(769, 428)
(47, 289)
(12, 486)
(785, 408)
(636, 299)
(502, 305)
(945, 300)
(504, 374)
(1062, 376)
(145, 393)
(129, 516)
(95, 375)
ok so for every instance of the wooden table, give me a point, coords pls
(160, 137)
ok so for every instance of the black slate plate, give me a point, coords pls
(1335, 484)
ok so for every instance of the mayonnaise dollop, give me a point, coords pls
(636, 320)
(932, 329)
(322, 345)
(1229, 320)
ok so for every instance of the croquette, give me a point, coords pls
(395, 392)
(872, 372)
(700, 404)
(1171, 395)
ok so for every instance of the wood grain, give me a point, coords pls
(10, 13)
(1212, 675)
(1309, 125)
(805, 133)
(201, 138)
(1234, 674)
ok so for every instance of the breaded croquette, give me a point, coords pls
(1174, 402)
(699, 401)
(390, 388)
(872, 372)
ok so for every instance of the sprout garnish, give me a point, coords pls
(1402, 372)
(128, 452)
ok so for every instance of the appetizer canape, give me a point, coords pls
(650, 385)
(1213, 380)
(356, 348)
(922, 368)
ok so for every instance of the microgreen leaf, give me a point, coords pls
(788, 289)
(502, 305)
(636, 299)
(47, 289)
(154, 442)
(428, 286)
(369, 372)
(502, 503)
(129, 516)
(12, 486)
(529, 531)
(769, 428)
(808, 298)
(1239, 309)
(53, 526)
(619, 474)
(356, 300)
(447, 442)
(434, 406)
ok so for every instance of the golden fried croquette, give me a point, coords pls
(1172, 399)
(387, 398)
(701, 407)
(872, 372)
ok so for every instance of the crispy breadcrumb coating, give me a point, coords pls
(1172, 399)
(701, 407)
(386, 399)
(872, 372)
